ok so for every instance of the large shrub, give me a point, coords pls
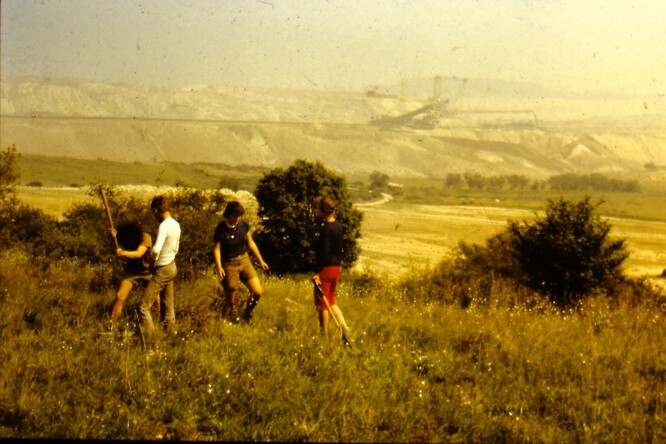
(288, 218)
(567, 253)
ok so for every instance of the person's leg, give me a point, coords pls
(124, 289)
(231, 284)
(323, 321)
(166, 276)
(249, 277)
(255, 294)
(229, 302)
(150, 293)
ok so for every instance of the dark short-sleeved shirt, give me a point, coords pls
(233, 241)
(329, 245)
(141, 265)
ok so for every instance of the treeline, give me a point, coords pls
(593, 182)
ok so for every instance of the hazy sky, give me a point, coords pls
(575, 45)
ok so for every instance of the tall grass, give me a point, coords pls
(415, 372)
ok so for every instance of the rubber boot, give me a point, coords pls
(254, 300)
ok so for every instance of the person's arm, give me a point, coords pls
(255, 250)
(217, 254)
(323, 253)
(136, 254)
(159, 243)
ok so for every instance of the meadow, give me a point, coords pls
(415, 371)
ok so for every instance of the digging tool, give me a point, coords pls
(108, 214)
(138, 322)
(321, 296)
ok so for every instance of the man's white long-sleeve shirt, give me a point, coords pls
(166, 244)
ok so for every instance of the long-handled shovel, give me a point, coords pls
(108, 213)
(320, 295)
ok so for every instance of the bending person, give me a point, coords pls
(135, 245)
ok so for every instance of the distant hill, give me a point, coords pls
(506, 130)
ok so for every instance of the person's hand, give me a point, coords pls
(264, 265)
(119, 251)
(316, 279)
(221, 273)
(113, 232)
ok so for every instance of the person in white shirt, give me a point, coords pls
(163, 255)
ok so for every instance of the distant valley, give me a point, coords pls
(349, 132)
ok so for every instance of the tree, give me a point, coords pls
(567, 253)
(378, 181)
(289, 227)
(8, 172)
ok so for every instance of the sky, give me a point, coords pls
(572, 45)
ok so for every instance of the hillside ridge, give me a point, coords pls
(349, 132)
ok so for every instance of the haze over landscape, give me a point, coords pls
(609, 46)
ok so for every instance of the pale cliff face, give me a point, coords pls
(347, 131)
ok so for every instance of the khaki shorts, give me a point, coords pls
(236, 270)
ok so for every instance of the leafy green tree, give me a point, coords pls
(378, 180)
(567, 253)
(474, 180)
(289, 226)
(8, 172)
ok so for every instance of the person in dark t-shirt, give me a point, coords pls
(232, 239)
(328, 256)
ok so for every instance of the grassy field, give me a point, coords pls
(416, 372)
(67, 172)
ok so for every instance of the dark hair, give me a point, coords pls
(160, 203)
(129, 235)
(326, 205)
(234, 208)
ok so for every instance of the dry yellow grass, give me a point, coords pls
(398, 237)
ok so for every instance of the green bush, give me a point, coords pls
(568, 253)
(288, 220)
(8, 173)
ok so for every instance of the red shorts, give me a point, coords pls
(329, 277)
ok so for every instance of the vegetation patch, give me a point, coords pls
(476, 350)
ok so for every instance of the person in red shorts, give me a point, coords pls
(328, 255)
